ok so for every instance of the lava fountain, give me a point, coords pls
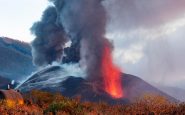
(111, 75)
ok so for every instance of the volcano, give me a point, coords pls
(68, 21)
(54, 79)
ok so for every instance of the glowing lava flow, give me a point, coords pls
(111, 75)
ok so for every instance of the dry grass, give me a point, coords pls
(38, 103)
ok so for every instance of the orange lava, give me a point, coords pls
(111, 75)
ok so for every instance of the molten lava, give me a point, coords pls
(111, 75)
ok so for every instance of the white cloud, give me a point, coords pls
(148, 33)
(131, 55)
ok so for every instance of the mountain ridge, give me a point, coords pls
(15, 59)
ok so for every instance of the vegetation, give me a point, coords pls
(38, 103)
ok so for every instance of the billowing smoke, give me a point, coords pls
(50, 39)
(84, 21)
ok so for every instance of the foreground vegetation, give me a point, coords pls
(38, 103)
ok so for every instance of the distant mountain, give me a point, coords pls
(15, 59)
(55, 79)
(176, 92)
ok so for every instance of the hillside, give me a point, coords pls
(55, 79)
(15, 59)
(178, 93)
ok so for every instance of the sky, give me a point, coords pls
(148, 35)
(17, 16)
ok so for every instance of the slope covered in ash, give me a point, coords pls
(56, 79)
(15, 59)
(135, 87)
(176, 92)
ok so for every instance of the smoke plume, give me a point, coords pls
(50, 39)
(85, 20)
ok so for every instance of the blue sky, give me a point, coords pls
(17, 16)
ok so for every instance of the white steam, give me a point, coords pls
(53, 78)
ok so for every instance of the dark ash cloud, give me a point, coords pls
(50, 39)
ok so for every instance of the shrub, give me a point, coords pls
(41, 98)
(47, 103)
